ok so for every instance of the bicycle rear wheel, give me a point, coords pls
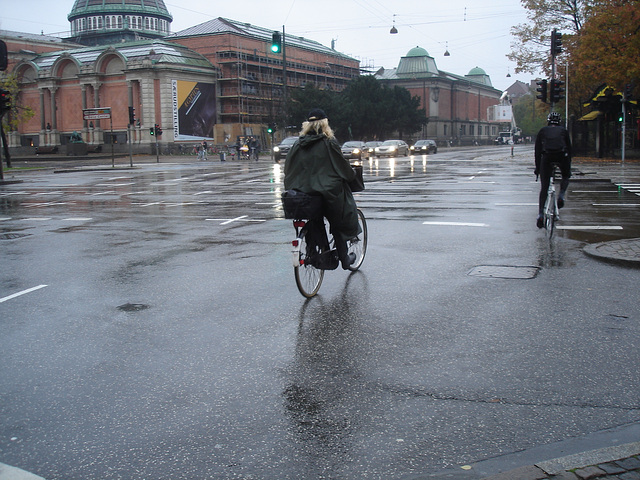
(358, 245)
(308, 277)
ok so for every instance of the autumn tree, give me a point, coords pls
(18, 113)
(530, 50)
(608, 47)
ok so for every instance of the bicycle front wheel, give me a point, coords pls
(308, 277)
(550, 215)
(358, 245)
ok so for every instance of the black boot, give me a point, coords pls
(346, 258)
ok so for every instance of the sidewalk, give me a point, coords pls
(602, 464)
(623, 252)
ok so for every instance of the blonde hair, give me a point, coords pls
(319, 127)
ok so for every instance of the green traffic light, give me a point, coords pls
(276, 42)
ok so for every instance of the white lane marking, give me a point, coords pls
(234, 220)
(36, 219)
(77, 219)
(114, 184)
(47, 204)
(108, 192)
(5, 219)
(589, 227)
(23, 292)
(616, 204)
(517, 204)
(225, 221)
(457, 224)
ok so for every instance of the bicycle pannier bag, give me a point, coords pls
(298, 205)
(357, 184)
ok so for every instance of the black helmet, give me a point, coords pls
(554, 118)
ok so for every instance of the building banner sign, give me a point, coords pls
(194, 110)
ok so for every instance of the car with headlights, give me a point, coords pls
(371, 148)
(424, 146)
(353, 149)
(392, 148)
(280, 151)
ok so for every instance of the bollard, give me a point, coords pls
(512, 150)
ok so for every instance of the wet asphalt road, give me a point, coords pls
(170, 341)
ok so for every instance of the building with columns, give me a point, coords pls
(59, 85)
(455, 106)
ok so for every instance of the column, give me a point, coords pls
(43, 133)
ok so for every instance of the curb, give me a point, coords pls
(592, 457)
(558, 466)
(625, 252)
(7, 472)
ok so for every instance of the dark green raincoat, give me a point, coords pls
(315, 165)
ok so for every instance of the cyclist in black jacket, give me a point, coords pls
(553, 145)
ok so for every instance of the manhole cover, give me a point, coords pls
(133, 307)
(12, 236)
(504, 271)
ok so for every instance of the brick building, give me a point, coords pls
(218, 80)
(455, 106)
(251, 90)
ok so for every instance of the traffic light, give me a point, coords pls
(5, 101)
(276, 42)
(556, 42)
(542, 88)
(270, 128)
(620, 117)
(132, 115)
(557, 91)
(158, 130)
(152, 131)
(627, 92)
(4, 57)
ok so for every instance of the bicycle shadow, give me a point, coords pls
(326, 373)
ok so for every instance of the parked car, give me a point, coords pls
(424, 146)
(280, 151)
(392, 148)
(371, 148)
(353, 149)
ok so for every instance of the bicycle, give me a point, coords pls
(550, 212)
(314, 249)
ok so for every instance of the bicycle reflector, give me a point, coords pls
(295, 242)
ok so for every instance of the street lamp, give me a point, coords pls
(393, 30)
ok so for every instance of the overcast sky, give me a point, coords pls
(476, 33)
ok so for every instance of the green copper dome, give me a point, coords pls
(477, 71)
(155, 8)
(417, 52)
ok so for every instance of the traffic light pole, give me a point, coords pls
(624, 125)
(284, 74)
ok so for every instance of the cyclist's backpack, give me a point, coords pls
(553, 142)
